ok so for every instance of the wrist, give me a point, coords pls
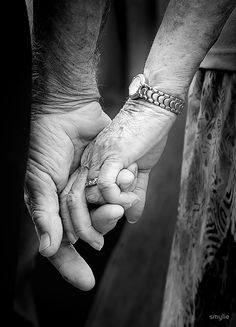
(142, 107)
(60, 84)
(48, 97)
(170, 82)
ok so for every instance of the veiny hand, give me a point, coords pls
(137, 134)
(57, 142)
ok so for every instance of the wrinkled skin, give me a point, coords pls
(137, 134)
(57, 142)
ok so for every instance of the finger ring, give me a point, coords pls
(91, 182)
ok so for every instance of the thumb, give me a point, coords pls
(73, 268)
(42, 202)
(107, 184)
(127, 178)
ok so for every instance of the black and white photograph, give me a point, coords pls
(119, 163)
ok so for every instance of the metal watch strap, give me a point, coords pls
(161, 99)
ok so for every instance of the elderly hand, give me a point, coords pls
(57, 142)
(137, 134)
(77, 219)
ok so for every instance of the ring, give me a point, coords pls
(91, 182)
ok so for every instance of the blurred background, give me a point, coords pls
(131, 268)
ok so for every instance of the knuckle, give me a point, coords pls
(104, 184)
(63, 198)
(37, 217)
(82, 232)
(93, 197)
(71, 200)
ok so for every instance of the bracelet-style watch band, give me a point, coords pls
(140, 89)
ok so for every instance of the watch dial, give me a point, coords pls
(134, 86)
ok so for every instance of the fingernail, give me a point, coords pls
(71, 238)
(44, 242)
(131, 222)
(97, 246)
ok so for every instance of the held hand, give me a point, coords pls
(137, 134)
(56, 144)
(78, 221)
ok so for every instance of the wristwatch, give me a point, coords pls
(139, 88)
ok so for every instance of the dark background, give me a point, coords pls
(131, 269)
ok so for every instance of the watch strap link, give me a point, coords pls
(161, 99)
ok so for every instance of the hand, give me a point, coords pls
(57, 141)
(137, 134)
(77, 219)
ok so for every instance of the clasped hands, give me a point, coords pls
(69, 148)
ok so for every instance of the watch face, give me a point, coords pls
(135, 85)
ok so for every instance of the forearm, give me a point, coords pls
(65, 36)
(188, 30)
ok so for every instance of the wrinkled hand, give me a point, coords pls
(77, 219)
(57, 142)
(137, 134)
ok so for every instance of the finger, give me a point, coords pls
(127, 177)
(73, 267)
(125, 180)
(93, 195)
(42, 202)
(134, 213)
(64, 210)
(110, 190)
(105, 218)
(79, 213)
